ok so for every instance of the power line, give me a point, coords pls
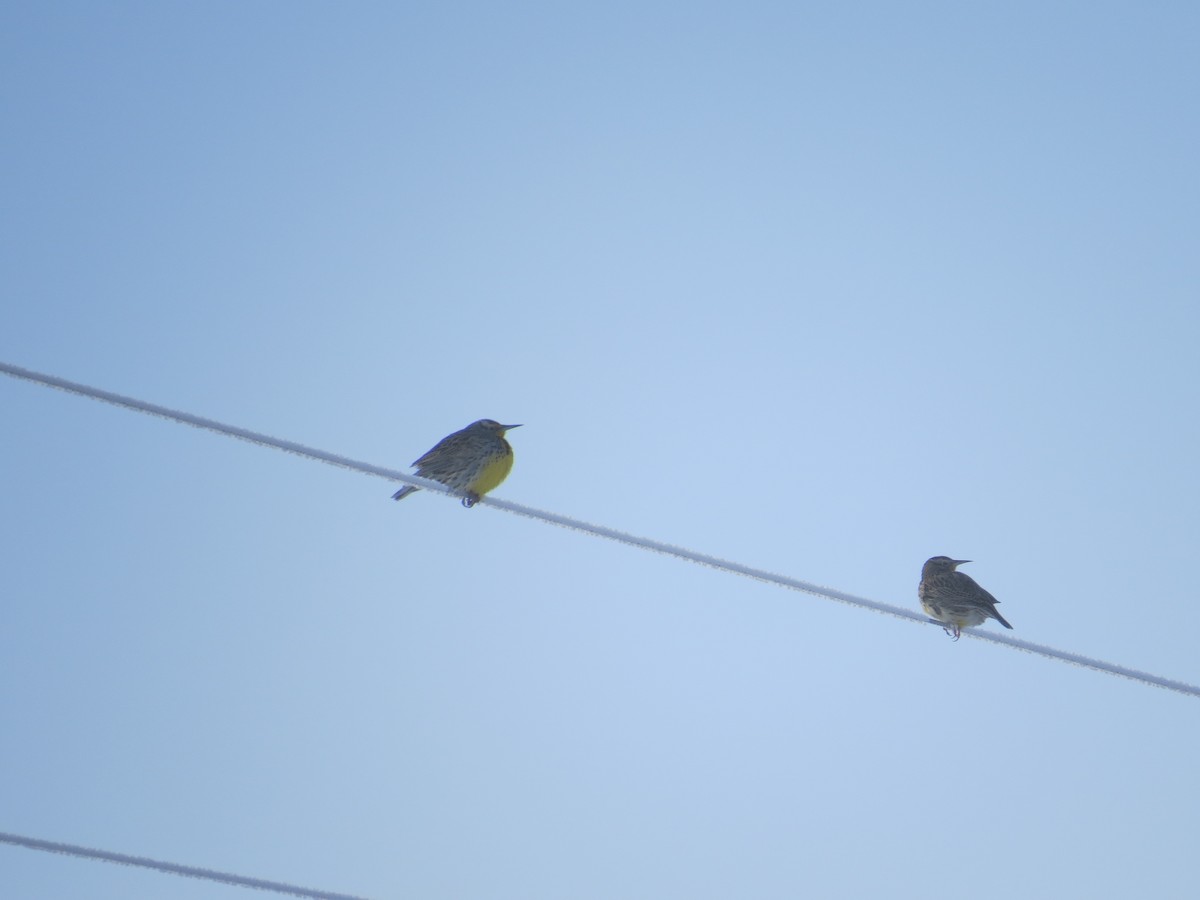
(595, 530)
(795, 584)
(260, 884)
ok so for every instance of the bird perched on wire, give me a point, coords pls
(470, 462)
(953, 598)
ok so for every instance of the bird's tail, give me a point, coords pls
(999, 618)
(409, 489)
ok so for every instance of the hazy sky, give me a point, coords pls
(825, 289)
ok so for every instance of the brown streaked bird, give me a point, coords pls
(953, 598)
(470, 462)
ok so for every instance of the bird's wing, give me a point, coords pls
(446, 444)
(967, 588)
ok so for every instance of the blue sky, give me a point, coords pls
(825, 289)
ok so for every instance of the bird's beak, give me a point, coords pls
(959, 562)
(509, 427)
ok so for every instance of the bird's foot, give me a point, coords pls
(470, 500)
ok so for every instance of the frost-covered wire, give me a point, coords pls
(595, 530)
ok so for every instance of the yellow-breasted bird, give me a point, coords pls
(953, 598)
(471, 462)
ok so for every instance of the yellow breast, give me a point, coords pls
(493, 472)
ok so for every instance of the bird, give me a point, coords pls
(953, 598)
(471, 462)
